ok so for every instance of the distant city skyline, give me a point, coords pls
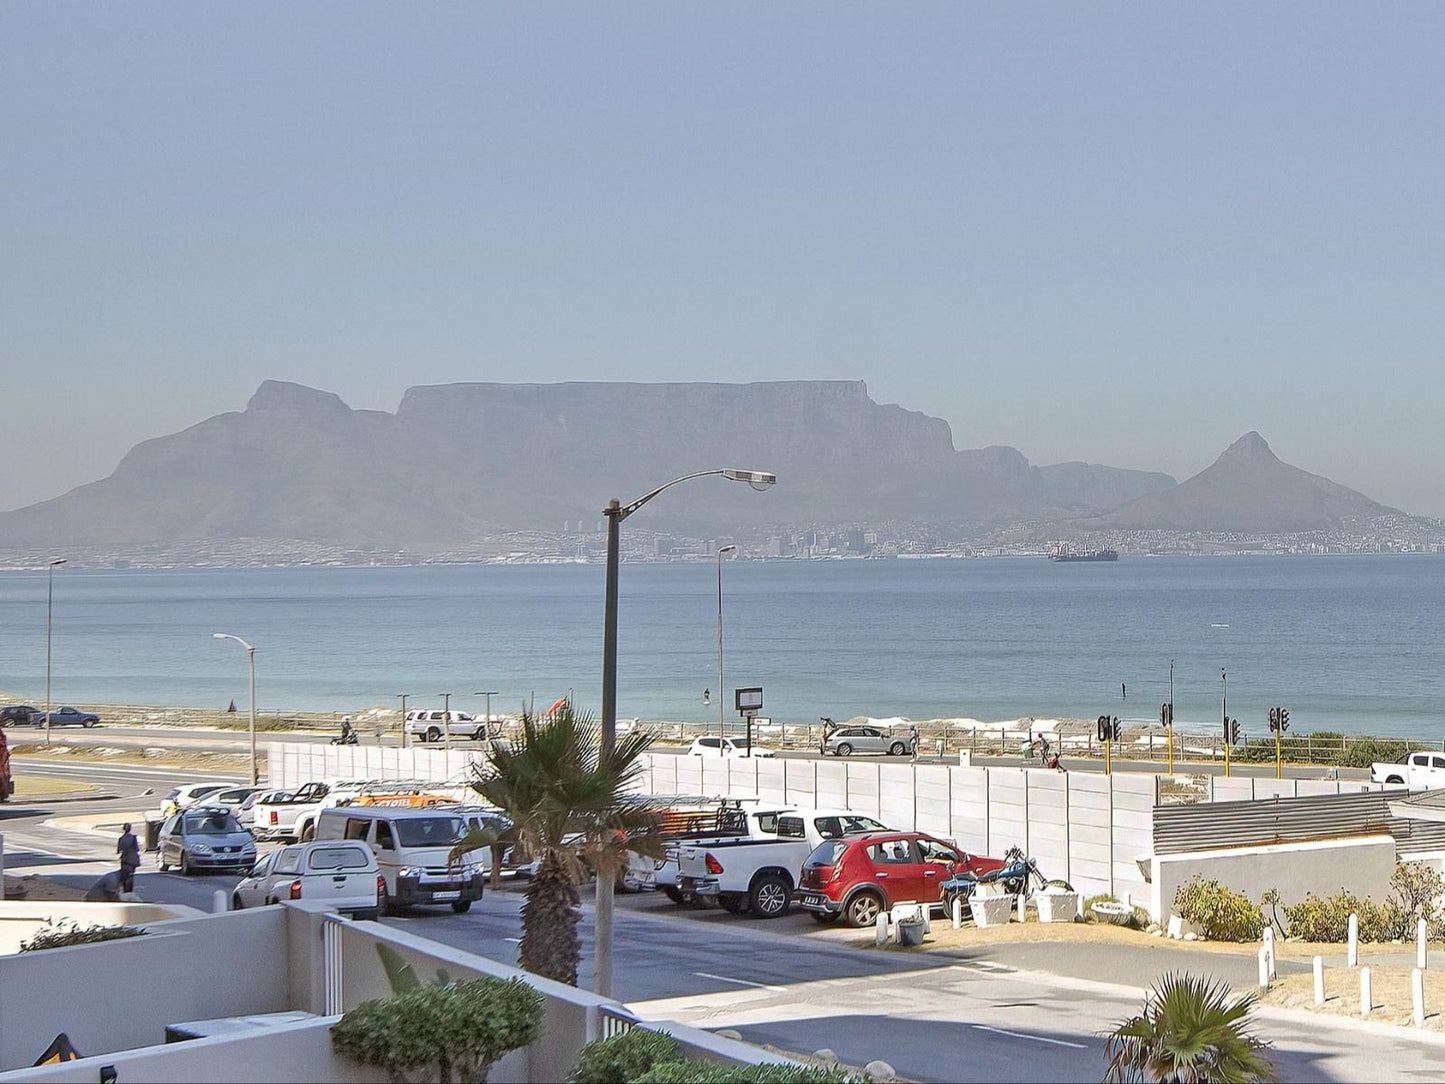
(1096, 232)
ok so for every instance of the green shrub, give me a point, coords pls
(1415, 890)
(1222, 914)
(66, 931)
(1362, 752)
(704, 1072)
(458, 1028)
(623, 1058)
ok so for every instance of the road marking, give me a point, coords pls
(1035, 1038)
(740, 982)
(514, 940)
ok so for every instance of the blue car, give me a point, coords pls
(66, 717)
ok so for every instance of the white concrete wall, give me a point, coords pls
(1362, 865)
(117, 995)
(20, 920)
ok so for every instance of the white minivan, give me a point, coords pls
(413, 853)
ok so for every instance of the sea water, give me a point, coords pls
(1346, 643)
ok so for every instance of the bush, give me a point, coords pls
(1222, 914)
(1363, 752)
(623, 1058)
(703, 1072)
(458, 1028)
(1415, 888)
(66, 931)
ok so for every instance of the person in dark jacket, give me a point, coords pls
(128, 847)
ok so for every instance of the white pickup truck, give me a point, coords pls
(292, 816)
(1418, 771)
(759, 876)
(434, 726)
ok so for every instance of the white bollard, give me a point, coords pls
(880, 929)
(1269, 947)
(1420, 943)
(1366, 1001)
(1263, 969)
(1417, 996)
(1319, 980)
(1023, 907)
(923, 910)
(957, 912)
(219, 902)
(1352, 952)
(1126, 901)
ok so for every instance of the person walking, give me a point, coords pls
(128, 847)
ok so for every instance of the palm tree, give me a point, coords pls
(1190, 1031)
(570, 808)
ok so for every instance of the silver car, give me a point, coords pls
(205, 838)
(847, 740)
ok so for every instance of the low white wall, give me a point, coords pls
(1361, 865)
(300, 1051)
(119, 995)
(21, 919)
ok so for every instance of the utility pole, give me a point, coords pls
(1171, 716)
(487, 726)
(720, 721)
(447, 721)
(402, 697)
(49, 610)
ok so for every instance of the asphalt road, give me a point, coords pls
(233, 741)
(1022, 1012)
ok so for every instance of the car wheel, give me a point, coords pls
(185, 864)
(733, 905)
(1394, 779)
(826, 918)
(309, 833)
(845, 750)
(236, 904)
(673, 893)
(770, 896)
(461, 907)
(88, 723)
(433, 734)
(165, 867)
(863, 910)
(479, 734)
(897, 749)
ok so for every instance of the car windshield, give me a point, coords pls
(339, 858)
(429, 831)
(210, 823)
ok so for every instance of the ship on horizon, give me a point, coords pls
(1084, 555)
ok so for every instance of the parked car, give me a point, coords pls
(188, 794)
(726, 747)
(19, 713)
(846, 741)
(758, 876)
(427, 725)
(341, 873)
(413, 850)
(1418, 771)
(858, 876)
(291, 816)
(205, 838)
(235, 799)
(66, 717)
(246, 811)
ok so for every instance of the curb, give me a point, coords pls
(1370, 1027)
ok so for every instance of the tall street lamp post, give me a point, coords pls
(720, 697)
(49, 609)
(447, 721)
(402, 697)
(251, 672)
(616, 512)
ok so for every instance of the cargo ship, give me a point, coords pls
(1085, 555)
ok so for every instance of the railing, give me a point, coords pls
(332, 1002)
(615, 1021)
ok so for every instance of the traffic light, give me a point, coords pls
(1231, 732)
(1166, 714)
(1102, 725)
(1278, 720)
(1114, 728)
(1283, 720)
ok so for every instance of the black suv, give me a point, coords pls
(18, 713)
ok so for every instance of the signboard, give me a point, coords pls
(749, 699)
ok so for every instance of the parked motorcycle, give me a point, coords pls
(347, 735)
(1018, 875)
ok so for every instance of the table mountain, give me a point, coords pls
(457, 462)
(1246, 489)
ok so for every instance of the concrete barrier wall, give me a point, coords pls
(20, 920)
(116, 995)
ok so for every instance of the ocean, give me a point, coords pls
(1346, 643)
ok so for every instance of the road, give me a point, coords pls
(1014, 1012)
(238, 741)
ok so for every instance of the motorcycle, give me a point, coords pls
(1018, 876)
(346, 737)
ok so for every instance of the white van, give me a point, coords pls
(413, 849)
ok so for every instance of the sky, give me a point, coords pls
(1123, 233)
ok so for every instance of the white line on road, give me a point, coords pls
(1035, 1038)
(740, 982)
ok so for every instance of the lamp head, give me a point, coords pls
(219, 636)
(758, 479)
(726, 549)
(57, 561)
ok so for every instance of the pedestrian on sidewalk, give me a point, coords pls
(128, 847)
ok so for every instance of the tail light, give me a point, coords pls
(713, 865)
(380, 885)
(273, 816)
(295, 890)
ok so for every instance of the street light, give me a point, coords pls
(251, 671)
(49, 607)
(720, 697)
(616, 512)
(402, 697)
(446, 721)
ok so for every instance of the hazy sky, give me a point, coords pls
(1123, 233)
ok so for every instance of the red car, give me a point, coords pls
(856, 877)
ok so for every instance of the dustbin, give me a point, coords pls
(910, 931)
(153, 832)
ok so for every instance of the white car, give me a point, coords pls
(725, 747)
(338, 872)
(188, 794)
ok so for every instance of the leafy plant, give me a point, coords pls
(704, 1072)
(1415, 890)
(1223, 915)
(458, 1030)
(1189, 1030)
(624, 1058)
(60, 933)
(1136, 919)
(569, 806)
